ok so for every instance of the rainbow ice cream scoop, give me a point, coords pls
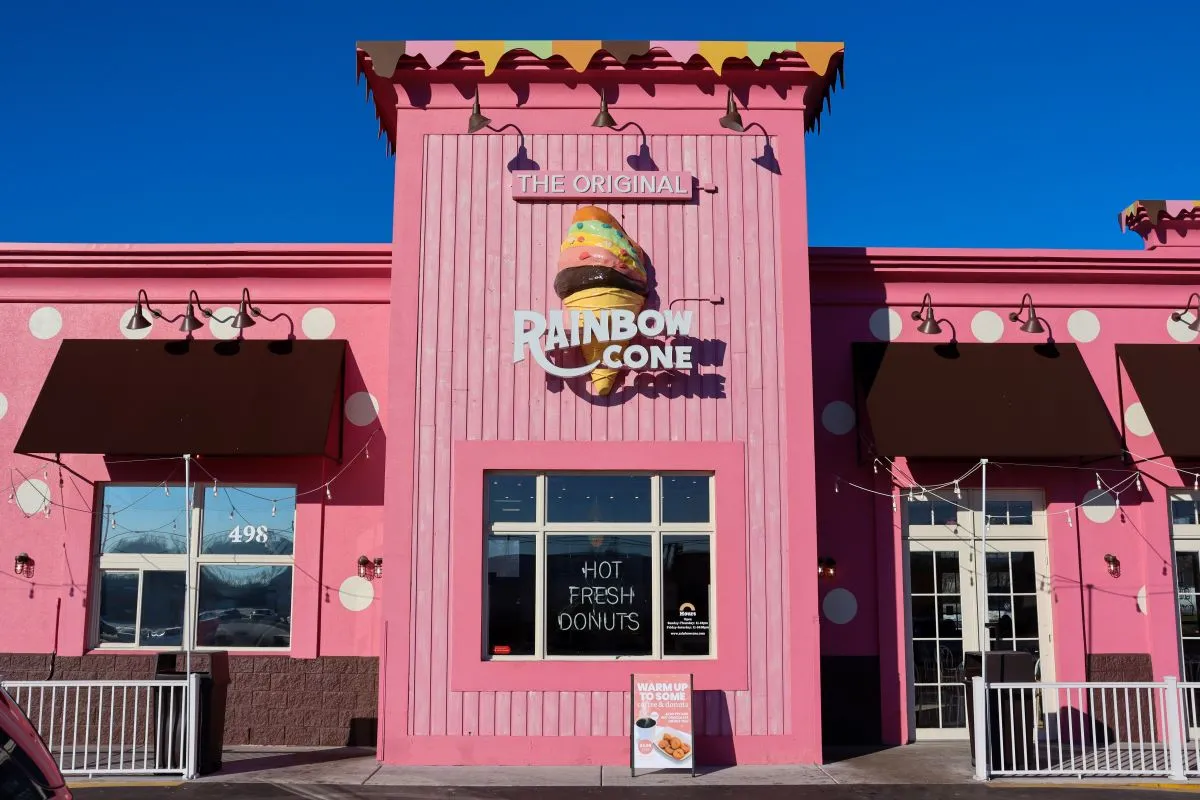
(600, 269)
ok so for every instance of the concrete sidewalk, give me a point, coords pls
(925, 763)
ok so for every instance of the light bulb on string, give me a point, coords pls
(272, 508)
(46, 508)
(875, 466)
(1117, 499)
(1099, 487)
(328, 492)
(957, 491)
(166, 490)
(1070, 524)
(1138, 482)
(837, 486)
(893, 504)
(367, 451)
(231, 513)
(1196, 482)
(12, 497)
(214, 487)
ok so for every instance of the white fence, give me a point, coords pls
(1087, 729)
(114, 727)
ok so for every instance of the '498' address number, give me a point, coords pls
(247, 534)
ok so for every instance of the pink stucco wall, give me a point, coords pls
(51, 293)
(1094, 299)
(466, 256)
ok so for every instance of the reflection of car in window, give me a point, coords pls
(27, 769)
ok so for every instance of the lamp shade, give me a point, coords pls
(732, 119)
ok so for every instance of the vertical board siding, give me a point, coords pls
(484, 256)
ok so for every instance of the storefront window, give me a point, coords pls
(241, 540)
(598, 565)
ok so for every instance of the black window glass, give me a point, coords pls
(598, 498)
(1187, 571)
(998, 576)
(163, 595)
(931, 512)
(20, 778)
(511, 595)
(598, 591)
(920, 571)
(1183, 512)
(686, 595)
(1010, 512)
(244, 606)
(685, 498)
(511, 498)
(947, 572)
(118, 607)
(143, 519)
(258, 520)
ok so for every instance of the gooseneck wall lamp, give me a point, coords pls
(732, 119)
(604, 119)
(478, 121)
(1032, 324)
(929, 324)
(139, 321)
(1178, 316)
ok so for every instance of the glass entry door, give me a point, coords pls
(945, 618)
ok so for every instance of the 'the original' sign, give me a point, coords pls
(539, 185)
(564, 329)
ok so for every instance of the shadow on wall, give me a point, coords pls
(849, 304)
(714, 749)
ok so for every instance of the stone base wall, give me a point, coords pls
(332, 701)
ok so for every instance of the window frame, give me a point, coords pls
(542, 529)
(189, 562)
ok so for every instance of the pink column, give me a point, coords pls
(799, 460)
(394, 661)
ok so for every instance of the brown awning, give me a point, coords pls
(1167, 380)
(971, 401)
(150, 398)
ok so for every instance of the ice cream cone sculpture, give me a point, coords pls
(600, 269)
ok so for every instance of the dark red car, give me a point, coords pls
(27, 770)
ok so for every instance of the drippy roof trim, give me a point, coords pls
(1150, 212)
(579, 53)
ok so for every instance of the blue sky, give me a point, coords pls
(1012, 124)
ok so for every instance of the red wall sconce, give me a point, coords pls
(23, 565)
(1114, 565)
(368, 569)
(826, 568)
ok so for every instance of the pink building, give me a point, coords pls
(425, 512)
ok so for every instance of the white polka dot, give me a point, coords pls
(1099, 506)
(1136, 421)
(1180, 331)
(223, 330)
(45, 323)
(318, 323)
(1141, 600)
(356, 593)
(3, 406)
(886, 325)
(987, 326)
(840, 606)
(362, 408)
(138, 334)
(1083, 325)
(33, 496)
(838, 418)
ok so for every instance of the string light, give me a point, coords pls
(214, 485)
(1139, 483)
(328, 493)
(1070, 524)
(1099, 485)
(957, 491)
(272, 508)
(837, 484)
(166, 490)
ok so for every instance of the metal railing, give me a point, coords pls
(114, 727)
(1061, 730)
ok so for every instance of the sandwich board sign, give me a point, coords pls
(662, 734)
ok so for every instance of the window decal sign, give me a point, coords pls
(661, 736)
(549, 185)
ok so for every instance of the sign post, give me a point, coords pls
(662, 733)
